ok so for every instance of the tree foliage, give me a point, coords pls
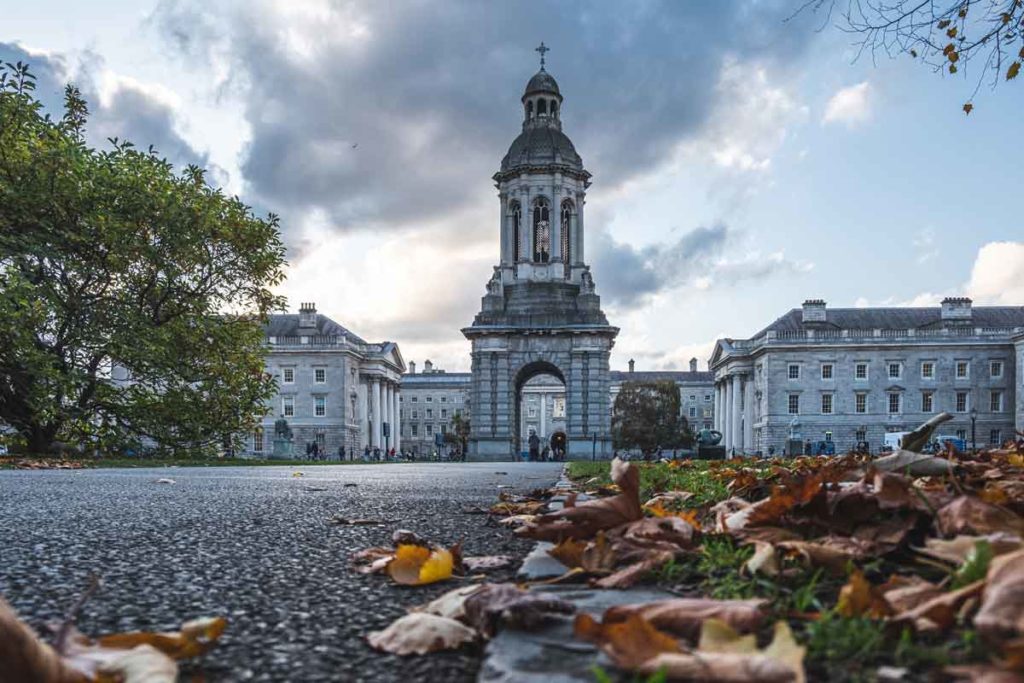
(646, 416)
(945, 34)
(112, 265)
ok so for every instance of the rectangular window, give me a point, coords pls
(826, 404)
(288, 406)
(895, 370)
(963, 369)
(428, 430)
(693, 397)
(444, 413)
(444, 429)
(894, 404)
(320, 375)
(928, 370)
(861, 435)
(707, 425)
(444, 399)
(860, 403)
(827, 370)
(288, 375)
(414, 399)
(961, 401)
(995, 402)
(927, 401)
(257, 440)
(794, 404)
(415, 414)
(794, 371)
(531, 411)
(319, 406)
(995, 437)
(860, 371)
(558, 407)
(995, 369)
(321, 441)
(693, 412)
(430, 399)
(707, 398)
(961, 434)
(430, 413)
(415, 430)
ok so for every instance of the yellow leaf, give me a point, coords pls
(438, 567)
(718, 636)
(1013, 71)
(951, 32)
(954, 56)
(414, 565)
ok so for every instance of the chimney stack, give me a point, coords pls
(631, 364)
(428, 367)
(956, 308)
(814, 311)
(307, 316)
(412, 367)
(693, 365)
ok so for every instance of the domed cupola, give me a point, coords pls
(542, 142)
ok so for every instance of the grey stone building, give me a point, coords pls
(431, 398)
(541, 315)
(334, 388)
(852, 374)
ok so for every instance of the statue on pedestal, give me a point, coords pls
(283, 439)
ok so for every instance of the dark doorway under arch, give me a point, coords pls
(542, 376)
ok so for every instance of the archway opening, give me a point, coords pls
(540, 412)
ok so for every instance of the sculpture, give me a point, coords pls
(586, 282)
(282, 430)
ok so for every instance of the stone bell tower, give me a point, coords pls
(541, 314)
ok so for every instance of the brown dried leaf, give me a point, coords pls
(630, 642)
(969, 515)
(569, 552)
(858, 598)
(626, 577)
(508, 604)
(420, 633)
(940, 612)
(487, 562)
(956, 549)
(195, 638)
(684, 616)
(1001, 617)
(452, 604)
(27, 658)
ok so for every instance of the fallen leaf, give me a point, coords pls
(684, 616)
(674, 530)
(27, 658)
(628, 576)
(940, 612)
(414, 565)
(508, 604)
(372, 560)
(569, 552)
(585, 519)
(141, 664)
(914, 464)
(297, 474)
(630, 642)
(956, 549)
(1001, 617)
(195, 638)
(164, 480)
(452, 604)
(969, 515)
(345, 521)
(859, 598)
(763, 561)
(419, 633)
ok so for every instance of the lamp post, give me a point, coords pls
(974, 420)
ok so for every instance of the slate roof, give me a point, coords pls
(894, 319)
(287, 325)
(537, 146)
(410, 379)
(542, 81)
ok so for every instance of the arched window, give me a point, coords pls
(567, 214)
(529, 110)
(541, 230)
(515, 212)
(554, 108)
(542, 107)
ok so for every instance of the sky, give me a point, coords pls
(743, 160)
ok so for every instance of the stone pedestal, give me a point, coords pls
(283, 449)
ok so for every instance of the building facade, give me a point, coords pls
(334, 388)
(850, 375)
(540, 315)
(432, 397)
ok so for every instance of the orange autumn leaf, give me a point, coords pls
(630, 642)
(569, 552)
(196, 637)
(858, 598)
(414, 565)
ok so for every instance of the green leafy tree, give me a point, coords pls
(113, 266)
(646, 415)
(459, 433)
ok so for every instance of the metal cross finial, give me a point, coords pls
(542, 49)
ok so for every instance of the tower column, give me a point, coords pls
(505, 218)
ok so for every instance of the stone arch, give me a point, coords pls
(530, 370)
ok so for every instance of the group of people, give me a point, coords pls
(378, 454)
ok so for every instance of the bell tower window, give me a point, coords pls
(516, 218)
(542, 107)
(541, 230)
(567, 213)
(529, 110)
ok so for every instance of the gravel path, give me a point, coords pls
(251, 544)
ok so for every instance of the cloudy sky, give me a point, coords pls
(742, 162)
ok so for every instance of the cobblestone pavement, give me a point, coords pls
(252, 544)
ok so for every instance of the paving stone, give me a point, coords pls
(539, 565)
(551, 654)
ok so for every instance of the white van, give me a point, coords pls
(894, 440)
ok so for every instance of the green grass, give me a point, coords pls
(657, 478)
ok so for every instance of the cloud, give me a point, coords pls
(998, 274)
(850, 105)
(924, 242)
(124, 109)
(380, 119)
(699, 258)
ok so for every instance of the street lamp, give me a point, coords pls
(974, 420)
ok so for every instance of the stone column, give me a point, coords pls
(389, 404)
(726, 404)
(363, 416)
(735, 413)
(376, 408)
(505, 221)
(543, 416)
(396, 430)
(717, 407)
(577, 255)
(748, 413)
(556, 227)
